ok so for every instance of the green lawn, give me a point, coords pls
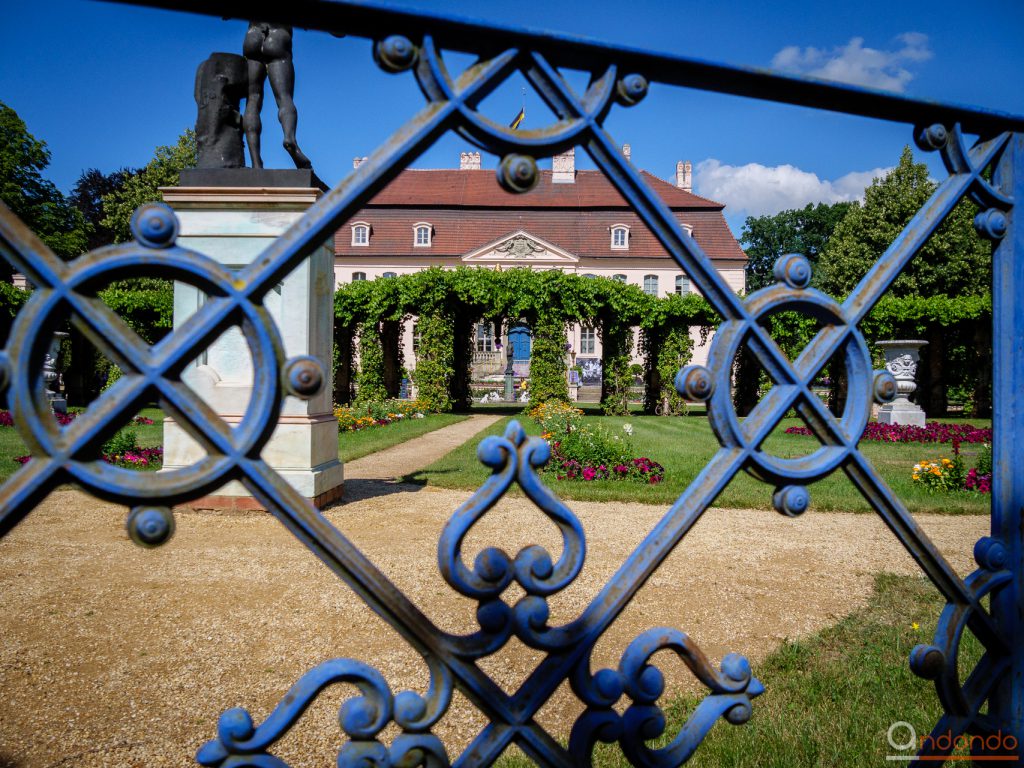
(684, 445)
(351, 445)
(829, 699)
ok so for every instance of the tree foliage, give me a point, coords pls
(954, 261)
(34, 199)
(87, 196)
(144, 186)
(801, 230)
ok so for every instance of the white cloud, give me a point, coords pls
(853, 63)
(760, 190)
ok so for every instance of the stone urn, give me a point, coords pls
(51, 377)
(901, 359)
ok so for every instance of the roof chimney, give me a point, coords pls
(684, 175)
(357, 161)
(563, 167)
(627, 151)
(469, 161)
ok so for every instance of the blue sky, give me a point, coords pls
(105, 84)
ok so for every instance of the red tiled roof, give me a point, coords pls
(468, 209)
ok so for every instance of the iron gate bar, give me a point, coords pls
(69, 454)
(373, 20)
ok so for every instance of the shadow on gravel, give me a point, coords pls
(361, 489)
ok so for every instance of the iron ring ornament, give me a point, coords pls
(76, 446)
(791, 295)
(71, 453)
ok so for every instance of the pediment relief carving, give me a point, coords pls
(520, 246)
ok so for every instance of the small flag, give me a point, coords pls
(514, 125)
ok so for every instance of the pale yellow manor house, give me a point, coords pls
(573, 220)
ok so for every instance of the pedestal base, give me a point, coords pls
(901, 413)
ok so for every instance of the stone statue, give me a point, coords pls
(268, 52)
(221, 84)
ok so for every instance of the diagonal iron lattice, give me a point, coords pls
(621, 703)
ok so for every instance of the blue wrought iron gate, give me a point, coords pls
(622, 704)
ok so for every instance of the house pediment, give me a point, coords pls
(520, 247)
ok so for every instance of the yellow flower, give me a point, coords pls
(917, 476)
(915, 626)
(947, 462)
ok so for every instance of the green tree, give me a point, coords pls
(799, 230)
(87, 196)
(34, 199)
(954, 262)
(144, 186)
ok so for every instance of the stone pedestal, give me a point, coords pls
(225, 217)
(901, 359)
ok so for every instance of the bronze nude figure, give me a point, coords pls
(268, 52)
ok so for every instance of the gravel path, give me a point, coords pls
(375, 474)
(115, 656)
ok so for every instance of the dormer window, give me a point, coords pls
(361, 233)
(620, 237)
(423, 233)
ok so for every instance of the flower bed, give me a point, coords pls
(580, 451)
(932, 432)
(6, 420)
(949, 475)
(378, 414)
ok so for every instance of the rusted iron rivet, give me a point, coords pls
(304, 376)
(150, 526)
(931, 138)
(694, 382)
(395, 53)
(884, 387)
(154, 225)
(791, 500)
(794, 270)
(991, 224)
(631, 89)
(518, 173)
(926, 661)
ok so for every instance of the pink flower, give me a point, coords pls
(588, 473)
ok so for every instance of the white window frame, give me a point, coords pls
(484, 337)
(390, 274)
(682, 281)
(623, 230)
(358, 277)
(656, 286)
(416, 228)
(364, 227)
(620, 278)
(588, 340)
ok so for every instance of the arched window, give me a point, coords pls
(620, 278)
(422, 234)
(651, 285)
(588, 340)
(360, 233)
(620, 237)
(357, 276)
(588, 275)
(390, 274)
(682, 285)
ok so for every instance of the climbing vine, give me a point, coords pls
(446, 304)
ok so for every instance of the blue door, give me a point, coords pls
(519, 337)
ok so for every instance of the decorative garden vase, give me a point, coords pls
(901, 359)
